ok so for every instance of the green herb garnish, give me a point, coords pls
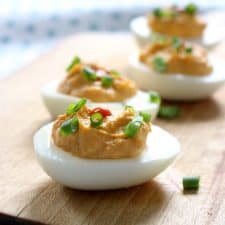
(96, 119)
(154, 97)
(188, 50)
(89, 74)
(75, 107)
(191, 9)
(176, 43)
(76, 60)
(159, 64)
(114, 72)
(107, 81)
(191, 182)
(158, 12)
(133, 126)
(69, 126)
(169, 112)
(146, 116)
(129, 108)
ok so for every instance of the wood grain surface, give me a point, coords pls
(26, 191)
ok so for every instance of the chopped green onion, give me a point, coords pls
(129, 108)
(176, 43)
(89, 74)
(191, 182)
(69, 126)
(191, 9)
(158, 12)
(188, 50)
(154, 97)
(168, 112)
(75, 107)
(158, 38)
(115, 72)
(107, 81)
(169, 14)
(159, 64)
(133, 126)
(76, 60)
(146, 116)
(96, 119)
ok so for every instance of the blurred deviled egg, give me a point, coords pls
(178, 70)
(185, 23)
(94, 149)
(100, 86)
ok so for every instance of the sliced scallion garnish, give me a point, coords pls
(188, 50)
(69, 126)
(115, 72)
(129, 108)
(159, 64)
(191, 182)
(191, 9)
(75, 107)
(76, 60)
(169, 112)
(154, 97)
(133, 126)
(146, 116)
(176, 43)
(158, 12)
(107, 81)
(96, 119)
(89, 74)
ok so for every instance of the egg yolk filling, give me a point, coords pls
(173, 56)
(177, 22)
(98, 134)
(96, 83)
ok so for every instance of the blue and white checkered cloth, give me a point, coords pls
(30, 27)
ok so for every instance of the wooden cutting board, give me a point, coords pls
(26, 191)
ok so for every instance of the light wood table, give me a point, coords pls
(26, 191)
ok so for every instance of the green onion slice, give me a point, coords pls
(146, 116)
(169, 112)
(89, 74)
(96, 120)
(159, 64)
(176, 43)
(129, 108)
(76, 60)
(69, 126)
(158, 12)
(191, 182)
(75, 107)
(188, 50)
(133, 126)
(154, 97)
(115, 72)
(107, 81)
(191, 9)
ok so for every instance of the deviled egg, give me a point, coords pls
(100, 86)
(176, 69)
(185, 23)
(93, 149)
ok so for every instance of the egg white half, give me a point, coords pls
(177, 86)
(57, 102)
(211, 37)
(88, 174)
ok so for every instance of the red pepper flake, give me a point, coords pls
(104, 112)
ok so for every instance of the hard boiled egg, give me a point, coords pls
(88, 174)
(57, 102)
(177, 86)
(142, 32)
